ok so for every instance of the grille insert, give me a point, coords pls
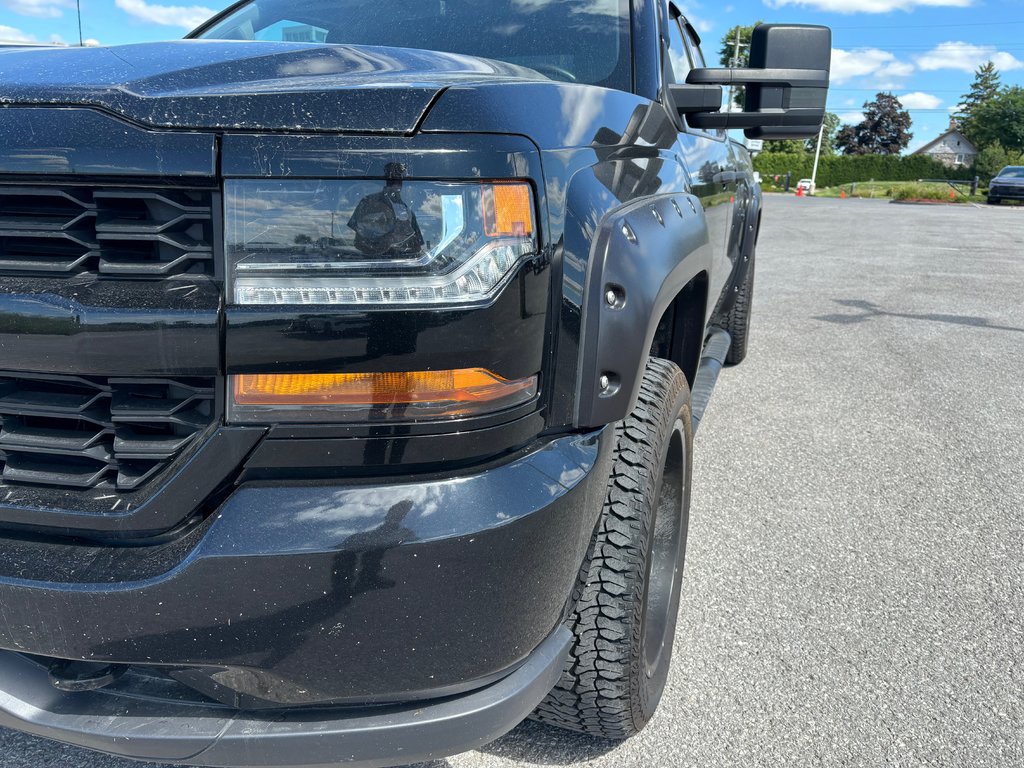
(83, 432)
(108, 231)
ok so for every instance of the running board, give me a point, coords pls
(711, 362)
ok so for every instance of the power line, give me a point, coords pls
(908, 109)
(1009, 45)
(935, 26)
(875, 90)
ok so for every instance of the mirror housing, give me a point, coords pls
(786, 85)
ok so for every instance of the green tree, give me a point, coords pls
(985, 88)
(786, 146)
(828, 140)
(728, 56)
(1001, 120)
(728, 48)
(992, 159)
(885, 129)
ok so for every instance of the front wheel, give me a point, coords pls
(627, 595)
(994, 200)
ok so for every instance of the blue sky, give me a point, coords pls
(924, 51)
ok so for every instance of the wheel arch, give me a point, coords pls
(679, 333)
(655, 256)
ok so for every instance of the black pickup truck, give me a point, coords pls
(350, 358)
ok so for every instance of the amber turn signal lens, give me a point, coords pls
(466, 385)
(508, 210)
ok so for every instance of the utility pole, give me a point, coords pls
(81, 43)
(734, 62)
(817, 156)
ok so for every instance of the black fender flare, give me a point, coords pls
(751, 232)
(642, 256)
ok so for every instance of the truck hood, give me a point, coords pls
(209, 84)
(1007, 181)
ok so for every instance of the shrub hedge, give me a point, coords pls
(847, 169)
(921, 192)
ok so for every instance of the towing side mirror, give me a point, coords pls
(786, 82)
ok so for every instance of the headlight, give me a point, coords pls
(375, 243)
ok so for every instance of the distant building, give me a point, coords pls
(951, 148)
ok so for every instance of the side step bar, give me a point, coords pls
(711, 361)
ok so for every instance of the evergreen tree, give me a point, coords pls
(986, 86)
(885, 129)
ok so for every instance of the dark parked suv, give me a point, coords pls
(1007, 185)
(350, 358)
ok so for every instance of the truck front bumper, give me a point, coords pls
(319, 623)
(210, 735)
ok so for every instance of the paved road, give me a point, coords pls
(854, 591)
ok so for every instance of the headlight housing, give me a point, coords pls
(367, 244)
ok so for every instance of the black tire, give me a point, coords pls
(627, 595)
(994, 200)
(737, 322)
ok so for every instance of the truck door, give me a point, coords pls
(741, 201)
(705, 154)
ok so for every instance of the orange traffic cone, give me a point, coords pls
(799, 191)
(842, 194)
(952, 194)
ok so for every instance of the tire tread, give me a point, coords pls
(602, 689)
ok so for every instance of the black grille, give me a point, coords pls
(78, 432)
(107, 231)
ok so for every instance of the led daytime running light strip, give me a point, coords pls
(480, 278)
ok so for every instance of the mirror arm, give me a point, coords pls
(690, 99)
(790, 118)
(793, 78)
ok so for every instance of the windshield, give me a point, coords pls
(1012, 172)
(584, 41)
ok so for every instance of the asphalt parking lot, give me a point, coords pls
(854, 588)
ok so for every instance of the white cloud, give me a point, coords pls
(967, 57)
(896, 69)
(694, 14)
(168, 15)
(919, 100)
(91, 42)
(867, 62)
(701, 25)
(12, 35)
(869, 6)
(41, 9)
(851, 118)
